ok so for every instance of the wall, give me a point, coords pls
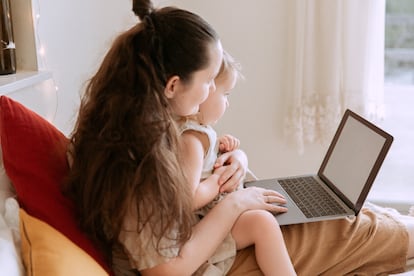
(253, 32)
(77, 33)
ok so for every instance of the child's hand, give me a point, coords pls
(228, 143)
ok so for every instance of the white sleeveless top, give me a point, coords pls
(211, 153)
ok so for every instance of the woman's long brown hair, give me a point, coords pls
(125, 142)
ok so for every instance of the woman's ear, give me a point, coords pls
(171, 87)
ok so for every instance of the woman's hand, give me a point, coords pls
(236, 164)
(253, 198)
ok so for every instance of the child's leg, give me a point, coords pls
(260, 228)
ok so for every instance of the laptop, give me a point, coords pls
(344, 178)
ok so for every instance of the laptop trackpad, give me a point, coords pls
(294, 214)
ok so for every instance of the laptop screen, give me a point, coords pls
(354, 158)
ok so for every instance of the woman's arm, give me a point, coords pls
(209, 233)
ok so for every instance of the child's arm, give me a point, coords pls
(228, 143)
(208, 189)
(193, 156)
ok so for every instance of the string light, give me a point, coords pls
(42, 51)
(42, 57)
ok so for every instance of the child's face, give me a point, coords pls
(213, 108)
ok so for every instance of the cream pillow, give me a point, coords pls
(47, 252)
(6, 189)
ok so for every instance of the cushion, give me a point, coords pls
(46, 252)
(34, 157)
(10, 261)
(6, 190)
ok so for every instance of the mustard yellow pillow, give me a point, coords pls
(45, 251)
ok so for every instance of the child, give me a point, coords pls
(201, 150)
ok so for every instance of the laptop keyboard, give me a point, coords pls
(311, 198)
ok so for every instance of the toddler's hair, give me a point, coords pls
(229, 66)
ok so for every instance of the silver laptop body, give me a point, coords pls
(347, 173)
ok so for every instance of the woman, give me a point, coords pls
(132, 196)
(126, 178)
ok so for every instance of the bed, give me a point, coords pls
(38, 230)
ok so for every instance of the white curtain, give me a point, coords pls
(335, 60)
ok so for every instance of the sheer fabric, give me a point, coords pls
(335, 61)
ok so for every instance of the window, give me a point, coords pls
(395, 182)
(399, 42)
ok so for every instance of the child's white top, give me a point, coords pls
(212, 151)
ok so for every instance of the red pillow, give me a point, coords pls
(34, 156)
